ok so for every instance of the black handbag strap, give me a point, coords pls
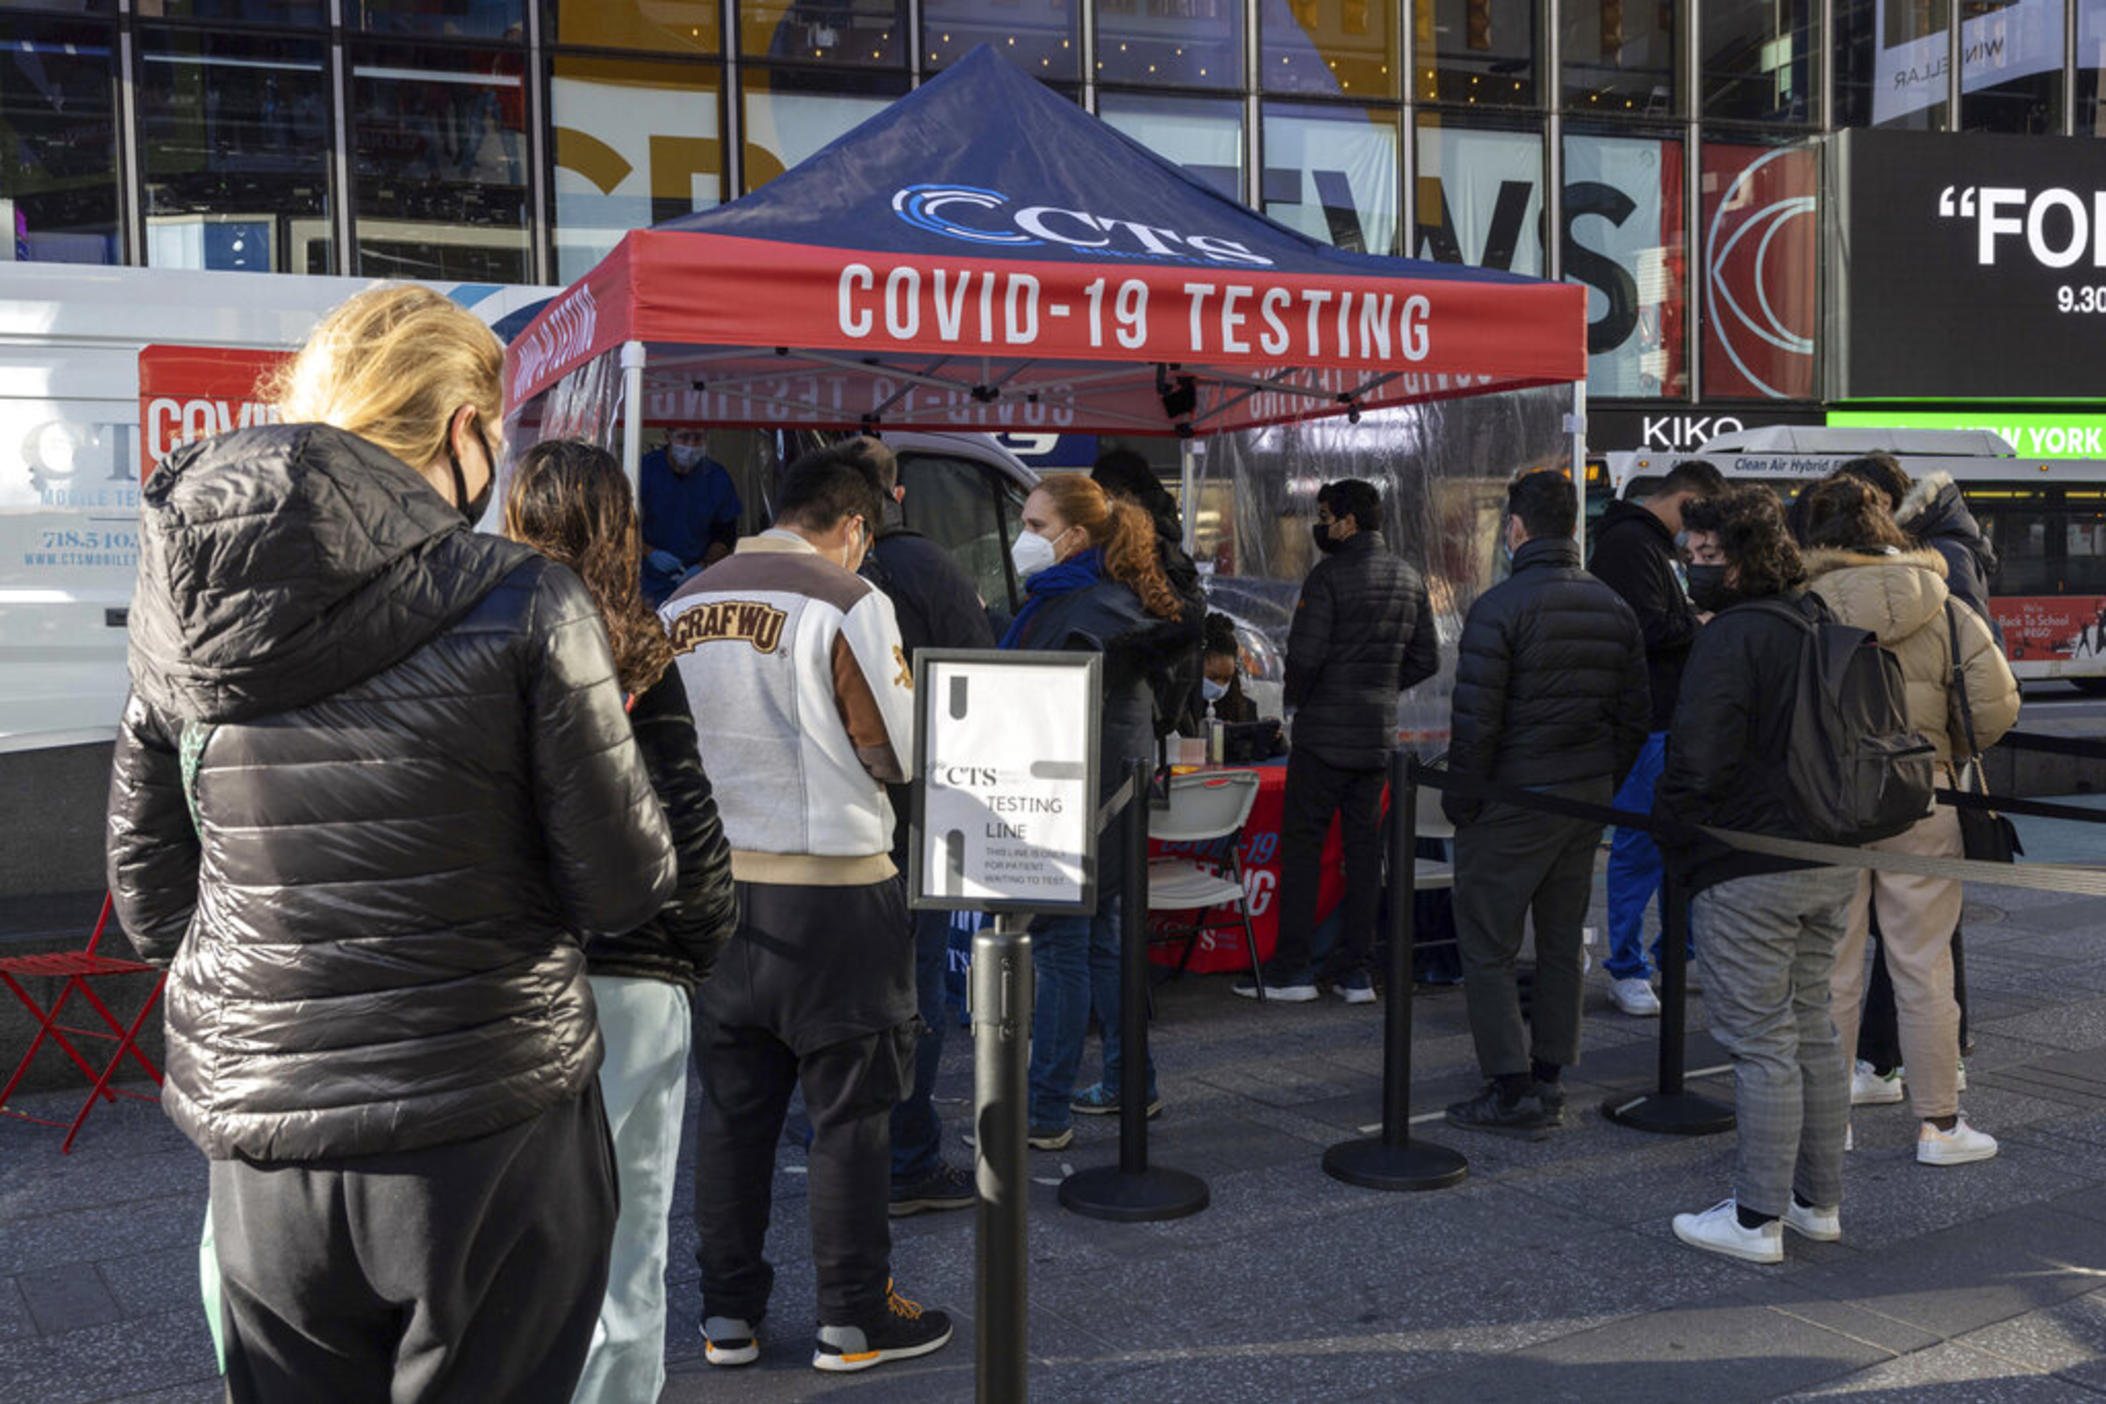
(1959, 685)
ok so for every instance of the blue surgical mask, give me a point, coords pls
(1213, 691)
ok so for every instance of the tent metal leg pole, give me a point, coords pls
(632, 412)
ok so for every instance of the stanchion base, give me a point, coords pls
(1670, 1113)
(1415, 1165)
(1108, 1192)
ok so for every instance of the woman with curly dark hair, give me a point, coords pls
(1874, 577)
(1096, 584)
(1223, 679)
(570, 502)
(1766, 929)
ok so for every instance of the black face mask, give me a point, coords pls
(472, 511)
(1324, 541)
(1708, 590)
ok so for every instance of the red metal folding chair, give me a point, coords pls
(77, 968)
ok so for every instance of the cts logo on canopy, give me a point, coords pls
(944, 209)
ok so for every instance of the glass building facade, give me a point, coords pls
(1664, 153)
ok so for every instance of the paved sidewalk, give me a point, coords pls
(1550, 1274)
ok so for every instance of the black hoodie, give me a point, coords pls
(1634, 555)
(373, 789)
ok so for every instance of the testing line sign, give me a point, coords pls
(1005, 803)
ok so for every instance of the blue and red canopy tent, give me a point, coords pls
(984, 255)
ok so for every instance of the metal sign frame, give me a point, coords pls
(1091, 666)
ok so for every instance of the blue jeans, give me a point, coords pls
(1634, 868)
(917, 1132)
(1075, 960)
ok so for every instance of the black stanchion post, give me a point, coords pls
(1672, 1110)
(1133, 1191)
(1001, 1010)
(1395, 1161)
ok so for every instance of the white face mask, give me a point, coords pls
(1213, 691)
(685, 455)
(1031, 553)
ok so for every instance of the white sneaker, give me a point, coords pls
(1960, 1085)
(1718, 1230)
(1635, 997)
(1869, 1089)
(1849, 1137)
(1821, 1225)
(1960, 1146)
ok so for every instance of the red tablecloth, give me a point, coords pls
(1221, 947)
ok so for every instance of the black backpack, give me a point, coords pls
(1854, 769)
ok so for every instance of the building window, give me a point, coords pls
(847, 33)
(438, 19)
(1203, 135)
(303, 14)
(1759, 60)
(1625, 242)
(234, 133)
(439, 163)
(1891, 58)
(2091, 68)
(1760, 257)
(1475, 53)
(1619, 58)
(655, 26)
(1042, 37)
(636, 144)
(1480, 194)
(1330, 48)
(1331, 173)
(2011, 66)
(791, 114)
(58, 167)
(1180, 43)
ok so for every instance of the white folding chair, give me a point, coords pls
(1208, 810)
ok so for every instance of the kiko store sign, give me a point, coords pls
(1966, 266)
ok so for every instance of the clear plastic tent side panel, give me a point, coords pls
(586, 405)
(1442, 469)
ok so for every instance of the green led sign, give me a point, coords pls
(2033, 435)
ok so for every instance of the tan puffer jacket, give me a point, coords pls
(1901, 598)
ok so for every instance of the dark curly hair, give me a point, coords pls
(1851, 514)
(571, 502)
(1749, 524)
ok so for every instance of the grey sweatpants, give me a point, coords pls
(1766, 947)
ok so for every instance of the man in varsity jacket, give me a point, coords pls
(804, 706)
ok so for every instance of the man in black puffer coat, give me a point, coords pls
(373, 791)
(1363, 632)
(1550, 694)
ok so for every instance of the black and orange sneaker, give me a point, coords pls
(730, 1340)
(901, 1332)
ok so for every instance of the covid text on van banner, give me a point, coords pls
(194, 392)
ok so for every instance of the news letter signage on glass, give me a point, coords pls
(1005, 801)
(1965, 266)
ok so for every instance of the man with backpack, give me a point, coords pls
(1766, 927)
(1634, 555)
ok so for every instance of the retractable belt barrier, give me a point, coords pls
(2041, 877)
(2050, 745)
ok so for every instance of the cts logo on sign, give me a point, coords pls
(2058, 225)
(941, 209)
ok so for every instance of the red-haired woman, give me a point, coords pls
(1090, 567)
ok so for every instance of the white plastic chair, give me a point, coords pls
(1207, 809)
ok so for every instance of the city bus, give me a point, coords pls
(2046, 518)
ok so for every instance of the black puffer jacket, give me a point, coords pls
(1936, 515)
(1634, 555)
(1181, 665)
(680, 944)
(1362, 633)
(1726, 750)
(1107, 618)
(415, 795)
(1550, 683)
